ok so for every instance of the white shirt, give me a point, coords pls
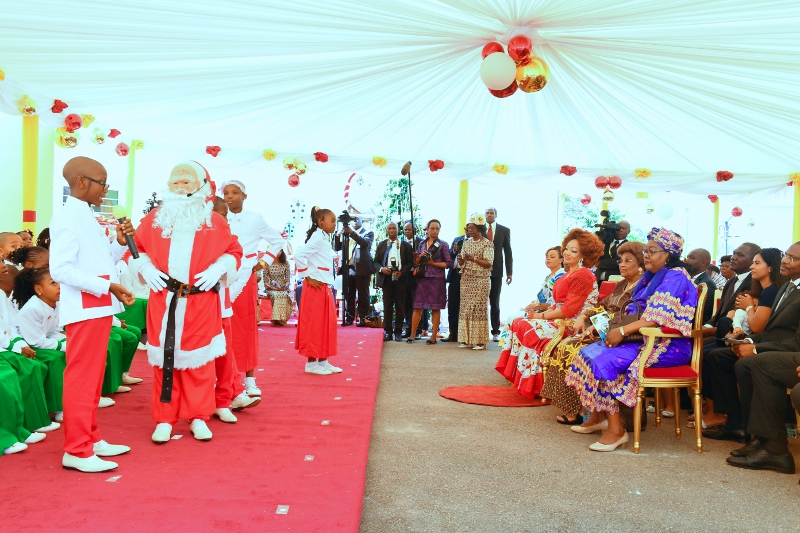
(315, 258)
(250, 228)
(10, 338)
(394, 251)
(38, 323)
(739, 280)
(84, 262)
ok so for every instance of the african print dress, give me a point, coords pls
(276, 282)
(473, 314)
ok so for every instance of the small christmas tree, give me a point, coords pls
(394, 206)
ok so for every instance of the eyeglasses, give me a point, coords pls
(791, 258)
(626, 261)
(103, 184)
(653, 252)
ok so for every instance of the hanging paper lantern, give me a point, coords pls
(500, 169)
(650, 209)
(435, 164)
(736, 212)
(58, 106)
(568, 170)
(66, 139)
(498, 71)
(73, 122)
(713, 198)
(614, 182)
(300, 168)
(665, 211)
(601, 182)
(294, 180)
(586, 199)
(87, 120)
(26, 105)
(122, 149)
(379, 161)
(533, 75)
(321, 157)
(642, 173)
(505, 93)
(98, 137)
(491, 48)
(213, 151)
(608, 195)
(642, 195)
(114, 133)
(519, 48)
(724, 175)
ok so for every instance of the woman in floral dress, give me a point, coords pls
(475, 260)
(276, 282)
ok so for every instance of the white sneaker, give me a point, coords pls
(90, 464)
(122, 388)
(52, 426)
(15, 448)
(105, 402)
(314, 368)
(200, 429)
(59, 417)
(130, 380)
(243, 401)
(225, 415)
(35, 437)
(141, 346)
(103, 449)
(462, 345)
(162, 433)
(326, 365)
(252, 390)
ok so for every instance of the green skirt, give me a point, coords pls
(56, 362)
(12, 416)
(135, 315)
(31, 376)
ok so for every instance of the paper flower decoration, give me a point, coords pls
(736, 212)
(608, 195)
(289, 163)
(87, 120)
(713, 197)
(642, 173)
(500, 169)
(300, 168)
(26, 105)
(568, 170)
(213, 151)
(724, 175)
(435, 164)
(58, 106)
(114, 133)
(268, 154)
(795, 178)
(66, 139)
(586, 199)
(98, 137)
(73, 122)
(379, 161)
(478, 219)
(2, 75)
(122, 149)
(294, 180)
(137, 145)
(642, 195)
(321, 157)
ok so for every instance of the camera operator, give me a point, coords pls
(361, 268)
(613, 234)
(393, 262)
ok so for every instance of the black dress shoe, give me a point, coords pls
(406, 334)
(398, 338)
(721, 433)
(418, 336)
(387, 337)
(763, 460)
(744, 451)
(347, 322)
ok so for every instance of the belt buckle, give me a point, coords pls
(186, 287)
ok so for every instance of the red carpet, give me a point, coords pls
(236, 481)
(490, 395)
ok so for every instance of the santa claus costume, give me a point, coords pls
(251, 228)
(185, 249)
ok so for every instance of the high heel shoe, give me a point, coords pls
(590, 429)
(600, 447)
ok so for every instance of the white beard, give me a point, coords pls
(181, 213)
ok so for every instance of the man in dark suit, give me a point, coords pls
(607, 265)
(393, 261)
(501, 238)
(361, 270)
(454, 291)
(741, 281)
(411, 288)
(696, 264)
(726, 366)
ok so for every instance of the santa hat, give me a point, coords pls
(196, 168)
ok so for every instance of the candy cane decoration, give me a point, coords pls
(347, 190)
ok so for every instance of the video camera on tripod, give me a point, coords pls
(608, 228)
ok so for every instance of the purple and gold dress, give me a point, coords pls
(432, 287)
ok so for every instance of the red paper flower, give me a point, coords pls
(713, 198)
(213, 150)
(114, 133)
(724, 175)
(435, 164)
(73, 122)
(568, 170)
(321, 157)
(58, 106)
(122, 149)
(736, 211)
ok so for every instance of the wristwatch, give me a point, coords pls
(622, 330)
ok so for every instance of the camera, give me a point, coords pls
(345, 218)
(608, 228)
(429, 254)
(394, 268)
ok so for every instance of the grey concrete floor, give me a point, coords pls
(436, 465)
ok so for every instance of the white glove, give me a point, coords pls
(155, 279)
(207, 279)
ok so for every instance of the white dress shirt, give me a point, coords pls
(250, 228)
(10, 338)
(38, 323)
(739, 280)
(394, 252)
(84, 262)
(315, 258)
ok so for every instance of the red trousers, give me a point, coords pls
(229, 380)
(192, 394)
(316, 326)
(245, 329)
(83, 380)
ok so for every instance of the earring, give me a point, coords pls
(580, 263)
(640, 270)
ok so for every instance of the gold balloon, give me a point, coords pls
(533, 76)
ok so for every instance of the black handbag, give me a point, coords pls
(621, 320)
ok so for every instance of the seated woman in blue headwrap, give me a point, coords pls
(606, 372)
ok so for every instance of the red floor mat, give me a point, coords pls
(491, 395)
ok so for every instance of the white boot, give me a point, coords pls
(162, 433)
(225, 415)
(200, 430)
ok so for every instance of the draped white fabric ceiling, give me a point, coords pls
(682, 87)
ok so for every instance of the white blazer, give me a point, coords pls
(250, 228)
(10, 338)
(315, 258)
(38, 323)
(83, 261)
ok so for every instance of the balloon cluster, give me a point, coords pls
(503, 73)
(608, 184)
(291, 163)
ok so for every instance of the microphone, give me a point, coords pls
(406, 169)
(189, 195)
(121, 215)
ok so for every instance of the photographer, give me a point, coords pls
(433, 257)
(393, 261)
(613, 234)
(361, 268)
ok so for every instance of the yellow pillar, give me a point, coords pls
(715, 250)
(30, 170)
(135, 146)
(796, 219)
(463, 196)
(44, 201)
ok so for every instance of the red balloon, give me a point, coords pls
(614, 182)
(73, 122)
(601, 182)
(519, 48)
(491, 48)
(736, 211)
(294, 180)
(504, 93)
(586, 199)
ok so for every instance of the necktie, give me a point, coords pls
(489, 234)
(789, 290)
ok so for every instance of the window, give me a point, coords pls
(109, 201)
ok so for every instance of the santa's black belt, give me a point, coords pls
(179, 290)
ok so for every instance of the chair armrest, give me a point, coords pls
(657, 332)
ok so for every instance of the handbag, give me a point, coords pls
(620, 320)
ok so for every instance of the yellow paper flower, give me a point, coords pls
(66, 139)
(26, 105)
(642, 195)
(87, 120)
(137, 145)
(269, 155)
(379, 161)
(795, 177)
(642, 173)
(2, 75)
(500, 169)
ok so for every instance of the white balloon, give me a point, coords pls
(498, 71)
(665, 211)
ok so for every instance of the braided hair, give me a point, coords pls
(25, 283)
(20, 256)
(317, 214)
(43, 239)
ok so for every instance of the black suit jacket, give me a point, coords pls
(406, 262)
(608, 261)
(782, 332)
(725, 309)
(454, 274)
(709, 307)
(501, 239)
(363, 254)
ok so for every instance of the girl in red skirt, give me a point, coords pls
(316, 324)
